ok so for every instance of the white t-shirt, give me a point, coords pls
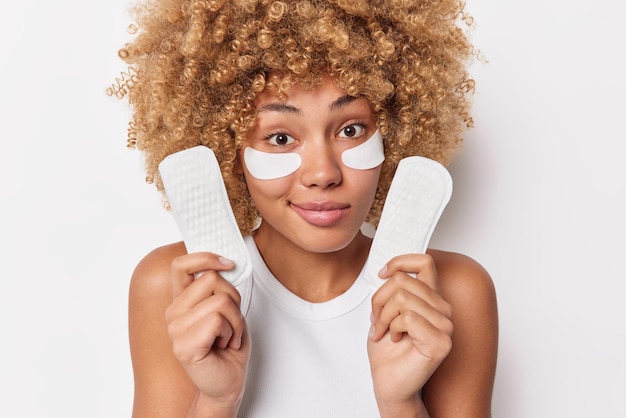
(308, 359)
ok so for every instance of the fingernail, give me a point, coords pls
(235, 343)
(372, 331)
(225, 261)
(238, 346)
(382, 271)
(372, 317)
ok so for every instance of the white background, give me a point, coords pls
(539, 201)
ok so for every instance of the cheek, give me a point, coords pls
(366, 181)
(262, 190)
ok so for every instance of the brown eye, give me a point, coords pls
(351, 131)
(280, 139)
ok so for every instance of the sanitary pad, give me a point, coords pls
(196, 193)
(418, 195)
(420, 190)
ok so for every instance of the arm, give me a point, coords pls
(163, 387)
(462, 386)
(434, 339)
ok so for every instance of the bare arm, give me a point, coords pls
(462, 385)
(162, 387)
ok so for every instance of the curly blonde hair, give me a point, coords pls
(196, 67)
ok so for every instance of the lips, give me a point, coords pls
(321, 214)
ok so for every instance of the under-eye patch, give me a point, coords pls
(367, 155)
(270, 166)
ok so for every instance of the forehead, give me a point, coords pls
(278, 90)
(325, 95)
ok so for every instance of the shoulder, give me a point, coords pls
(462, 279)
(151, 277)
(150, 291)
(469, 289)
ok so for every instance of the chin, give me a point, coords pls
(325, 241)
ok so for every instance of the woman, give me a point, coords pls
(313, 79)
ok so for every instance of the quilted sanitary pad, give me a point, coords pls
(196, 193)
(420, 190)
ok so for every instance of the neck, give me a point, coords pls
(313, 276)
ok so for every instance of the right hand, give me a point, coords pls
(207, 329)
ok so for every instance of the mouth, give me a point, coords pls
(321, 214)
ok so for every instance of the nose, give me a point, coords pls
(320, 166)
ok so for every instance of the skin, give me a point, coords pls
(432, 345)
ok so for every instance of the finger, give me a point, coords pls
(215, 322)
(230, 311)
(201, 289)
(422, 265)
(219, 302)
(430, 340)
(192, 343)
(184, 268)
(402, 302)
(402, 282)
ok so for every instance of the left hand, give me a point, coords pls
(411, 331)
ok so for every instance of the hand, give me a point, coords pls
(411, 331)
(207, 328)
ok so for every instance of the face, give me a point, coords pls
(312, 164)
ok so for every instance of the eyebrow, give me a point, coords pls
(339, 103)
(342, 102)
(279, 107)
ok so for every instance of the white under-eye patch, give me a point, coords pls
(369, 154)
(269, 165)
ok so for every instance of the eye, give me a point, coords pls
(352, 131)
(280, 139)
